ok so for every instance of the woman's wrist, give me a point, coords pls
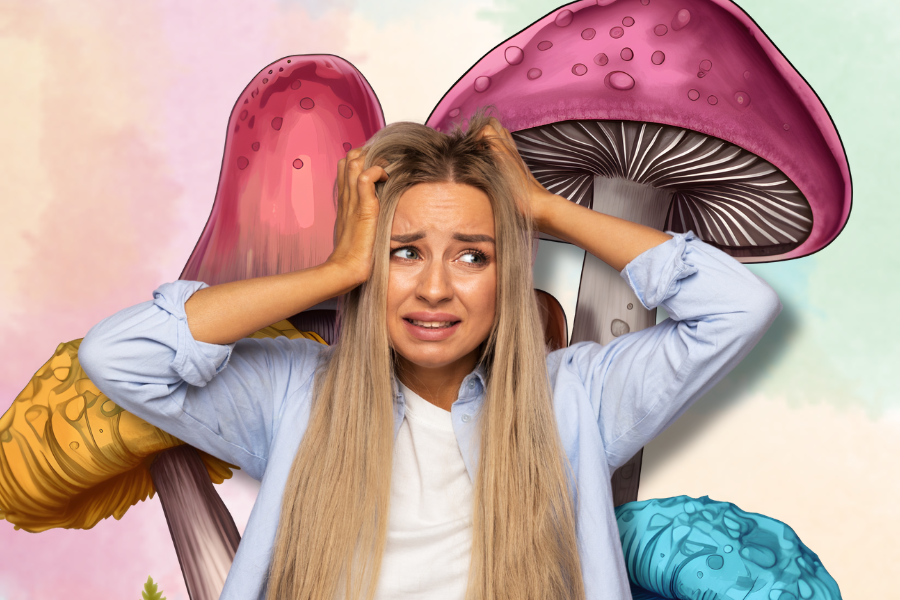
(339, 276)
(543, 209)
(225, 313)
(613, 240)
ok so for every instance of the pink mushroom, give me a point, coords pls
(678, 114)
(274, 213)
(274, 209)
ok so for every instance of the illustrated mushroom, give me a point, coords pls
(69, 456)
(274, 209)
(677, 114)
(686, 547)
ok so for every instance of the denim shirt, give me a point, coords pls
(248, 403)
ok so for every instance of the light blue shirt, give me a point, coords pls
(248, 403)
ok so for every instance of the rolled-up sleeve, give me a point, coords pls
(224, 399)
(642, 381)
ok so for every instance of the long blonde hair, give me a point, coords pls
(334, 513)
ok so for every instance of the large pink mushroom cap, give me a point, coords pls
(702, 66)
(274, 210)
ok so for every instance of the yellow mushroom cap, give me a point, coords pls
(70, 457)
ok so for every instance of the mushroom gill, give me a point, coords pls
(668, 178)
(727, 196)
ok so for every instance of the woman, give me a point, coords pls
(435, 451)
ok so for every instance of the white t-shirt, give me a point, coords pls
(429, 540)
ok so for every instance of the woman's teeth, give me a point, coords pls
(431, 324)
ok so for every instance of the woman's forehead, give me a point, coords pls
(443, 207)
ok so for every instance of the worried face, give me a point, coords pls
(442, 285)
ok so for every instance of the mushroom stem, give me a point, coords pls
(607, 307)
(203, 532)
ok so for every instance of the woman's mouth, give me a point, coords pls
(432, 324)
(431, 330)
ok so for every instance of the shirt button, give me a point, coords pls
(471, 385)
(466, 418)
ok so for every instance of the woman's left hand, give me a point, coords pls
(614, 241)
(536, 196)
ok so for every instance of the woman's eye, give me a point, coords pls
(407, 253)
(475, 258)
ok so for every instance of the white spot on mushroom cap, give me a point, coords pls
(564, 18)
(514, 55)
(619, 80)
(681, 19)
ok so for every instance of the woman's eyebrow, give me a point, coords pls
(408, 237)
(462, 237)
(472, 238)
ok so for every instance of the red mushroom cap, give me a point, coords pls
(274, 210)
(701, 65)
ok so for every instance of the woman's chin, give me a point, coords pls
(433, 355)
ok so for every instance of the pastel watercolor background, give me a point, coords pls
(114, 120)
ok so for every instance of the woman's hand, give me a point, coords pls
(536, 196)
(357, 216)
(614, 241)
(227, 312)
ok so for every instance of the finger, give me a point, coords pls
(487, 130)
(504, 133)
(498, 136)
(497, 128)
(341, 175)
(354, 169)
(357, 164)
(355, 160)
(368, 178)
(354, 153)
(368, 200)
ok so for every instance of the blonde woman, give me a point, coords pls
(435, 451)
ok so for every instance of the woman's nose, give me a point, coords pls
(434, 282)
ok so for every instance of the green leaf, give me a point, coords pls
(150, 591)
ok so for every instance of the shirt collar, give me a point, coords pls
(473, 385)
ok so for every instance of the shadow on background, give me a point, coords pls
(732, 389)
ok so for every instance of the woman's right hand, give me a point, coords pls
(357, 216)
